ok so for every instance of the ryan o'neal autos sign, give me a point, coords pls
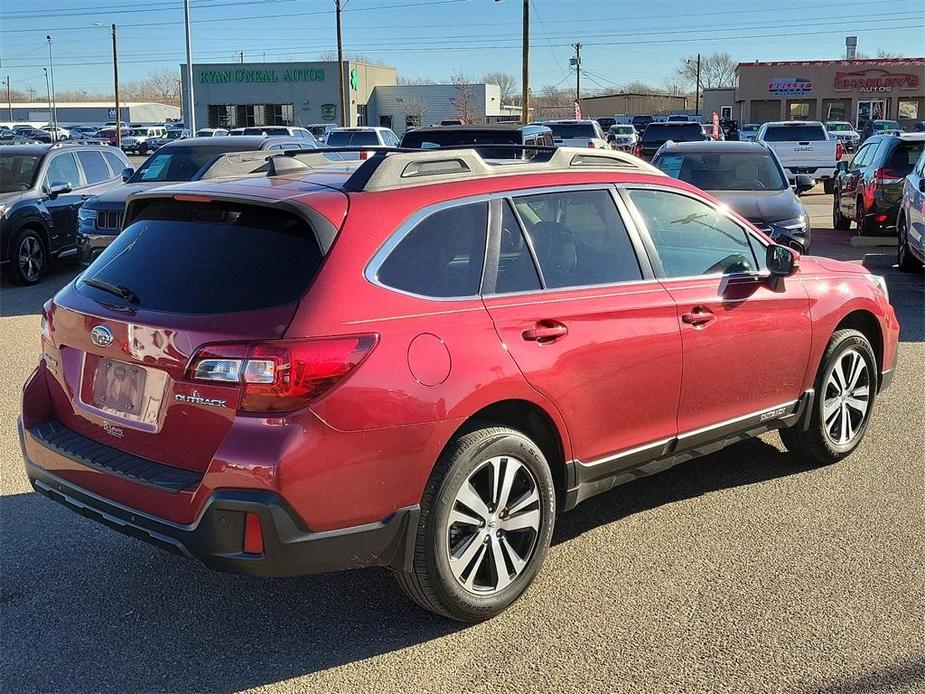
(271, 75)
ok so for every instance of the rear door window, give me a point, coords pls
(94, 167)
(579, 238)
(115, 164)
(208, 258)
(442, 256)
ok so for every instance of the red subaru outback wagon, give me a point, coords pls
(418, 362)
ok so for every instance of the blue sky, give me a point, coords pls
(623, 41)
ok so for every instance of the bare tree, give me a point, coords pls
(416, 80)
(331, 56)
(162, 86)
(505, 81)
(880, 53)
(463, 102)
(716, 70)
(415, 110)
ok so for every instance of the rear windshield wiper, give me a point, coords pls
(117, 289)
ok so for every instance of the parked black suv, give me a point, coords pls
(434, 136)
(100, 218)
(869, 188)
(41, 188)
(660, 132)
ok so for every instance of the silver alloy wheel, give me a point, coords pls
(846, 398)
(493, 525)
(31, 258)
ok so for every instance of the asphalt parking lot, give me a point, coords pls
(741, 571)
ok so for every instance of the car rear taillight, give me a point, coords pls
(884, 175)
(281, 375)
(839, 150)
(364, 154)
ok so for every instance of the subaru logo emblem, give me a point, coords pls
(101, 336)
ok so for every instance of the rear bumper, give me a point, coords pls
(216, 538)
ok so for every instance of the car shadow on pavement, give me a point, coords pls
(745, 463)
(74, 593)
(904, 675)
(83, 608)
(28, 301)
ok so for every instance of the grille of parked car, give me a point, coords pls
(109, 219)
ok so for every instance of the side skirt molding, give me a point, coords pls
(589, 479)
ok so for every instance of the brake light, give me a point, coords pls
(363, 154)
(281, 375)
(192, 198)
(45, 325)
(839, 150)
(884, 175)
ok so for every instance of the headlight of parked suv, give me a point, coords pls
(85, 216)
(794, 224)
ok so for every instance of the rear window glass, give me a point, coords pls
(417, 139)
(904, 156)
(442, 256)
(567, 131)
(363, 138)
(270, 130)
(175, 164)
(794, 133)
(198, 258)
(679, 132)
(718, 170)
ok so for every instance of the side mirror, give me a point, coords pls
(58, 188)
(803, 183)
(127, 173)
(782, 261)
(841, 166)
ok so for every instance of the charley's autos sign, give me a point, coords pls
(261, 75)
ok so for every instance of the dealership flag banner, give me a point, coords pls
(577, 111)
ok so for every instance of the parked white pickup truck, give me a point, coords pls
(803, 147)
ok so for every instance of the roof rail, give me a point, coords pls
(386, 169)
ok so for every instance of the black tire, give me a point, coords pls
(28, 243)
(864, 222)
(816, 445)
(431, 582)
(904, 258)
(828, 186)
(839, 221)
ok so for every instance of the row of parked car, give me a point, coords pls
(421, 359)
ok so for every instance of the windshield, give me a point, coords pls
(344, 138)
(226, 257)
(140, 132)
(17, 172)
(419, 139)
(723, 171)
(750, 127)
(175, 164)
(173, 135)
(794, 133)
(679, 132)
(622, 129)
(838, 127)
(568, 131)
(887, 125)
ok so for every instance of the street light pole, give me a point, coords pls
(9, 98)
(525, 68)
(53, 106)
(189, 72)
(47, 89)
(342, 96)
(115, 82)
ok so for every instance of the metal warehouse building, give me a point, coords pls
(849, 90)
(91, 112)
(234, 95)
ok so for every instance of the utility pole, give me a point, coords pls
(47, 89)
(525, 78)
(578, 74)
(189, 72)
(115, 83)
(697, 94)
(9, 98)
(340, 68)
(53, 104)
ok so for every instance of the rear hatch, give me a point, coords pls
(183, 274)
(801, 148)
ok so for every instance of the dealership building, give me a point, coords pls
(89, 112)
(824, 90)
(236, 95)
